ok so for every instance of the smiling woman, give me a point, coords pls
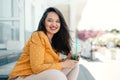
(52, 24)
(40, 59)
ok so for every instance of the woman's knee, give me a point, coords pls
(77, 66)
(56, 74)
(48, 75)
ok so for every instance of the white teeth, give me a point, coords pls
(53, 28)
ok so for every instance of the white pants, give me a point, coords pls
(65, 74)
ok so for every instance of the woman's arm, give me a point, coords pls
(37, 54)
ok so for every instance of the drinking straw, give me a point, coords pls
(76, 45)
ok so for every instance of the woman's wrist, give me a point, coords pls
(63, 66)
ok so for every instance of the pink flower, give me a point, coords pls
(86, 34)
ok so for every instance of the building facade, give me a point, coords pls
(19, 18)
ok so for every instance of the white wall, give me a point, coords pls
(33, 12)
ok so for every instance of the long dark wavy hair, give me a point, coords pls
(61, 41)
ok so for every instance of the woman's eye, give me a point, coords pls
(49, 20)
(58, 21)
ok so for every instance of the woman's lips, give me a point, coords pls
(53, 28)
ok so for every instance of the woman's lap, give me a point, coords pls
(46, 75)
(64, 74)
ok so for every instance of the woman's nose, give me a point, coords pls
(54, 23)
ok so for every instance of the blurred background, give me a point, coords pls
(94, 28)
(19, 18)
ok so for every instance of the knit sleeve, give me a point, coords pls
(37, 55)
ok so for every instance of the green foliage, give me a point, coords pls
(115, 31)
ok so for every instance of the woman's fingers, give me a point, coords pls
(69, 55)
(69, 63)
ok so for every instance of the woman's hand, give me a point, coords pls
(72, 56)
(69, 63)
(68, 56)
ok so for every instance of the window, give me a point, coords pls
(10, 21)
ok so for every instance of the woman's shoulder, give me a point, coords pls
(38, 34)
(38, 37)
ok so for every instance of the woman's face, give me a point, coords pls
(52, 23)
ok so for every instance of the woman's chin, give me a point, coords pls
(54, 31)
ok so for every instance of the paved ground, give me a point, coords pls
(99, 70)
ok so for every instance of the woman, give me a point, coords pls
(40, 59)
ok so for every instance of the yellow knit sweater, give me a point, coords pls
(37, 56)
